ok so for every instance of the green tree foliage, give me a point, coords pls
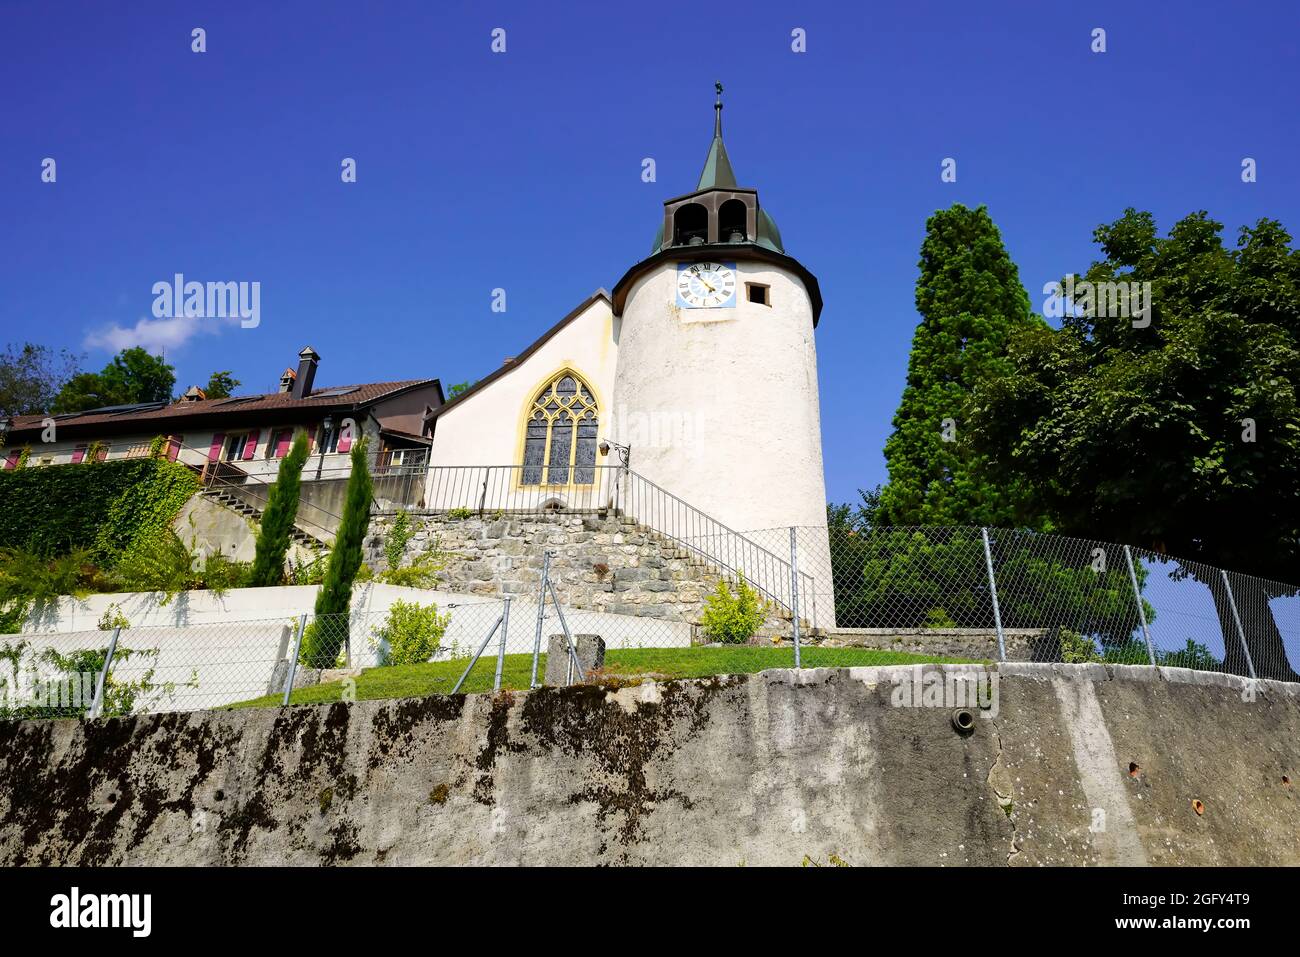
(132, 376)
(937, 577)
(1182, 435)
(31, 376)
(324, 638)
(221, 385)
(971, 301)
(276, 529)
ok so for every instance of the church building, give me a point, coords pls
(698, 372)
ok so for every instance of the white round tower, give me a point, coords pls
(716, 388)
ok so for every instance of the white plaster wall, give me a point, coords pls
(484, 428)
(744, 381)
(721, 408)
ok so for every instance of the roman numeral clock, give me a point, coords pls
(706, 285)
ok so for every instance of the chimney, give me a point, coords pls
(307, 361)
(286, 380)
(193, 394)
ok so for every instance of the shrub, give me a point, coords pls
(311, 572)
(421, 573)
(27, 580)
(461, 513)
(322, 650)
(1192, 655)
(1077, 649)
(113, 618)
(399, 536)
(410, 634)
(276, 529)
(938, 618)
(733, 618)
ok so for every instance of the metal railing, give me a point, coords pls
(516, 490)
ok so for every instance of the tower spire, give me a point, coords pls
(717, 172)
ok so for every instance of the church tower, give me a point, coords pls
(716, 386)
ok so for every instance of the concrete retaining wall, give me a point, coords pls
(1081, 765)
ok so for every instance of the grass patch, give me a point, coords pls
(408, 681)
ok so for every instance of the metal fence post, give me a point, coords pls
(541, 614)
(1137, 597)
(1241, 632)
(501, 648)
(993, 591)
(97, 705)
(794, 591)
(293, 661)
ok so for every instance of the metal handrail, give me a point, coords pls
(616, 489)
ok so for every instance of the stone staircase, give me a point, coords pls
(228, 499)
(602, 563)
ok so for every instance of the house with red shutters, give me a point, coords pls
(244, 437)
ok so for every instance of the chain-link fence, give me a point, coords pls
(855, 596)
(1021, 596)
(489, 642)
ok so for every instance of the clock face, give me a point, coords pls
(706, 285)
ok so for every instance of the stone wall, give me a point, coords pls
(1185, 768)
(603, 564)
(977, 644)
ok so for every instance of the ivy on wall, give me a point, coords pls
(103, 506)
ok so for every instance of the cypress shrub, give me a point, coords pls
(277, 520)
(326, 635)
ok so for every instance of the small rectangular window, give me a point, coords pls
(758, 293)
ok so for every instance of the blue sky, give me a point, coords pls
(522, 170)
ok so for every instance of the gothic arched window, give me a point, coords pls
(560, 437)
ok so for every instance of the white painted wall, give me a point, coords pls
(743, 383)
(484, 428)
(745, 379)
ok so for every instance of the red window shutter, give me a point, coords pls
(214, 452)
(250, 445)
(12, 460)
(101, 454)
(174, 447)
(282, 443)
(345, 440)
(78, 454)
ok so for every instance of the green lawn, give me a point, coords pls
(406, 681)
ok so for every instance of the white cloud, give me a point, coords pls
(154, 335)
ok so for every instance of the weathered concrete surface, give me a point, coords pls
(758, 769)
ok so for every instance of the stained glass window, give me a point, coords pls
(561, 435)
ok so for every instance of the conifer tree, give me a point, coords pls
(325, 636)
(277, 520)
(971, 302)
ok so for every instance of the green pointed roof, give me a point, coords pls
(717, 172)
